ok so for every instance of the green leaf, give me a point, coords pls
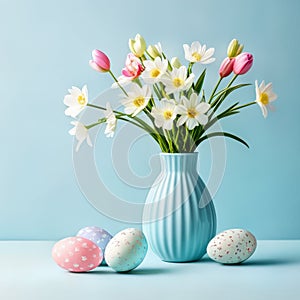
(229, 109)
(219, 117)
(224, 93)
(214, 134)
(232, 88)
(199, 83)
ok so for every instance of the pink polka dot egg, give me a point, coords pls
(77, 254)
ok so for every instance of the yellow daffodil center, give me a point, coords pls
(81, 99)
(168, 114)
(154, 73)
(192, 113)
(197, 56)
(264, 98)
(139, 101)
(177, 82)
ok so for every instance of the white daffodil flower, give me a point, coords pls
(197, 53)
(164, 113)
(192, 112)
(137, 99)
(76, 100)
(177, 80)
(264, 96)
(111, 121)
(154, 70)
(81, 134)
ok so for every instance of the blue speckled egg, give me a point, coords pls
(97, 235)
(126, 250)
(232, 246)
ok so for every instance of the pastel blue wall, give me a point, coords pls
(44, 50)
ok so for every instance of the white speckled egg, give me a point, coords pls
(77, 254)
(232, 246)
(97, 235)
(126, 250)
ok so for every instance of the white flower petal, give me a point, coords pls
(78, 145)
(189, 81)
(182, 120)
(262, 85)
(202, 119)
(272, 96)
(168, 125)
(210, 52)
(69, 100)
(195, 47)
(264, 111)
(208, 61)
(203, 107)
(181, 109)
(191, 123)
(88, 140)
(186, 49)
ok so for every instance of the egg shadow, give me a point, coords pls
(264, 262)
(249, 263)
(139, 271)
(150, 271)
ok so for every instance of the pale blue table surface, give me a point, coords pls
(27, 271)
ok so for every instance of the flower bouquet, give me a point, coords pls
(166, 98)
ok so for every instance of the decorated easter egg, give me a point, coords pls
(126, 250)
(97, 235)
(77, 254)
(232, 246)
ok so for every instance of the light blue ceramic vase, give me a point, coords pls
(179, 217)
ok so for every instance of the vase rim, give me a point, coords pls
(178, 154)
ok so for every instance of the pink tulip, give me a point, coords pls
(133, 67)
(243, 63)
(226, 67)
(100, 62)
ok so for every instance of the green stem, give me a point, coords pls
(214, 90)
(157, 91)
(116, 80)
(168, 137)
(186, 137)
(100, 121)
(135, 121)
(189, 70)
(96, 106)
(163, 91)
(245, 105)
(232, 80)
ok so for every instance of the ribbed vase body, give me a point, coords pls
(179, 217)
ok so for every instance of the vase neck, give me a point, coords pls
(179, 162)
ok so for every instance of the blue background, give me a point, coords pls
(45, 48)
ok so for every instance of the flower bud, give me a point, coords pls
(137, 46)
(175, 63)
(226, 67)
(234, 48)
(152, 50)
(242, 63)
(100, 62)
(133, 67)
